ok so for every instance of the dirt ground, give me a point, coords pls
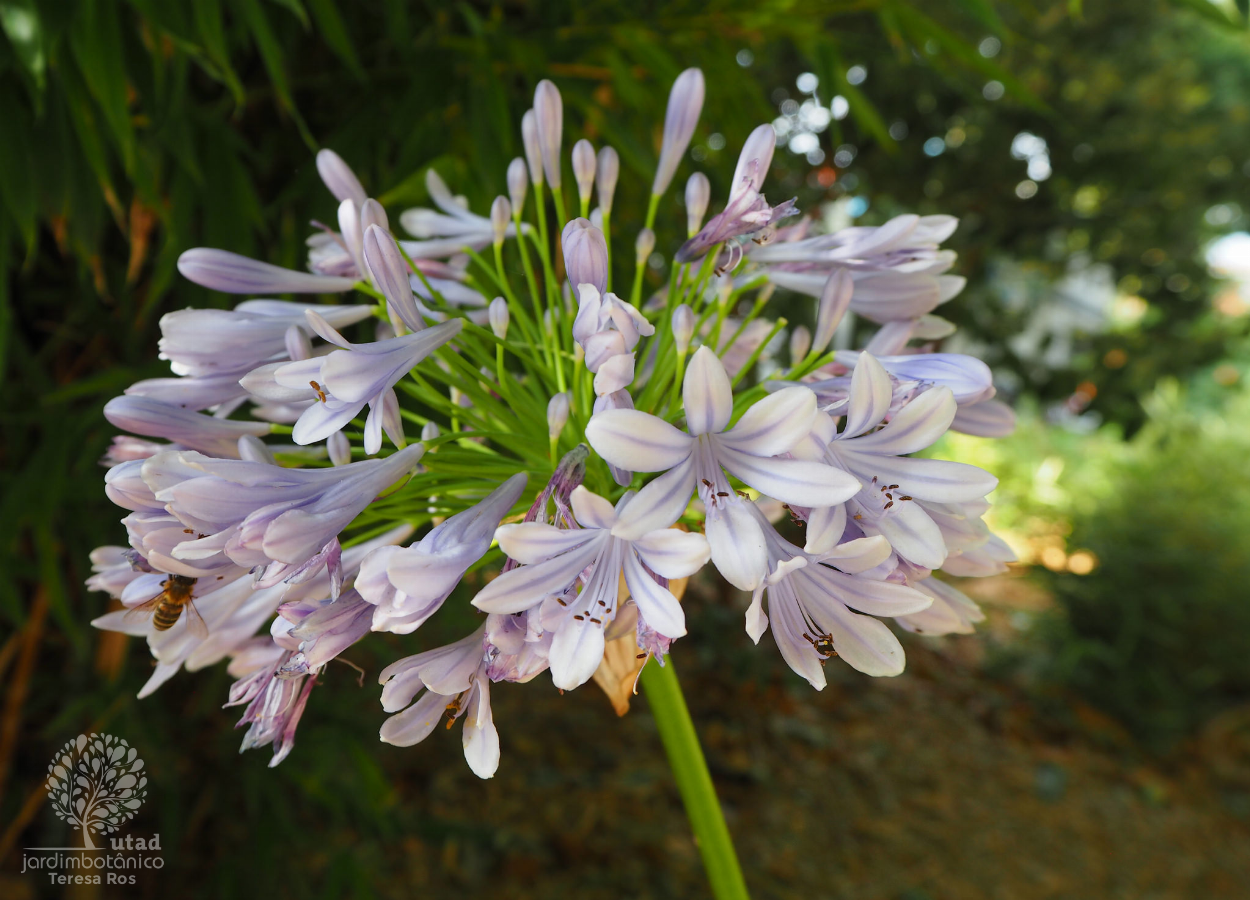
(942, 784)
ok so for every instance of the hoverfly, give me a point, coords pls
(167, 606)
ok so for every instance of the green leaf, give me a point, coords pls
(16, 173)
(271, 54)
(97, 48)
(334, 30)
(212, 34)
(20, 22)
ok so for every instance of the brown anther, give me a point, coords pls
(579, 618)
(641, 656)
(707, 484)
(561, 602)
(321, 395)
(889, 496)
(874, 479)
(596, 621)
(904, 498)
(722, 493)
(888, 505)
(188, 531)
(857, 517)
(893, 486)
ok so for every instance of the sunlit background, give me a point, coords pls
(1092, 740)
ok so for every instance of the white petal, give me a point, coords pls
(989, 418)
(657, 605)
(775, 424)
(757, 621)
(788, 630)
(913, 535)
(796, 481)
(414, 724)
(657, 505)
(637, 441)
(518, 590)
(672, 552)
(591, 510)
(859, 555)
(936, 480)
(871, 392)
(576, 651)
(916, 426)
(877, 598)
(824, 528)
(706, 393)
(737, 545)
(480, 738)
(534, 542)
(865, 643)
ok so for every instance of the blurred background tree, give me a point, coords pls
(1091, 151)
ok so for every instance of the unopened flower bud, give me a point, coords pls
(835, 299)
(499, 317)
(500, 218)
(609, 170)
(339, 177)
(585, 254)
(518, 182)
(533, 150)
(372, 213)
(429, 431)
(698, 195)
(221, 270)
(685, 102)
(298, 346)
(339, 449)
(584, 169)
(557, 414)
(389, 273)
(754, 160)
(683, 327)
(549, 113)
(353, 234)
(643, 246)
(800, 343)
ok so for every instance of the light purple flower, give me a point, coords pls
(810, 603)
(584, 163)
(275, 704)
(216, 341)
(339, 177)
(152, 418)
(345, 380)
(533, 150)
(445, 233)
(390, 273)
(407, 585)
(608, 329)
(751, 450)
(456, 685)
(698, 196)
(685, 103)
(518, 184)
(221, 270)
(554, 558)
(747, 212)
(261, 515)
(608, 171)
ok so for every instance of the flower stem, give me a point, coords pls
(711, 834)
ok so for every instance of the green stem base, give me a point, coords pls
(676, 728)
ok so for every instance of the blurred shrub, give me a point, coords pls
(1157, 634)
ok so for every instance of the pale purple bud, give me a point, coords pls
(392, 421)
(499, 317)
(533, 150)
(339, 177)
(683, 327)
(549, 114)
(339, 449)
(389, 272)
(835, 299)
(800, 343)
(698, 196)
(518, 182)
(758, 149)
(353, 234)
(585, 254)
(372, 213)
(298, 346)
(643, 246)
(152, 418)
(557, 414)
(685, 102)
(584, 169)
(608, 171)
(221, 270)
(429, 431)
(253, 449)
(500, 218)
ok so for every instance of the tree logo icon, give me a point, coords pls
(95, 783)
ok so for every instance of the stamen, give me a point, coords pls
(321, 395)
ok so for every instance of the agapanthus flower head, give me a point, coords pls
(698, 418)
